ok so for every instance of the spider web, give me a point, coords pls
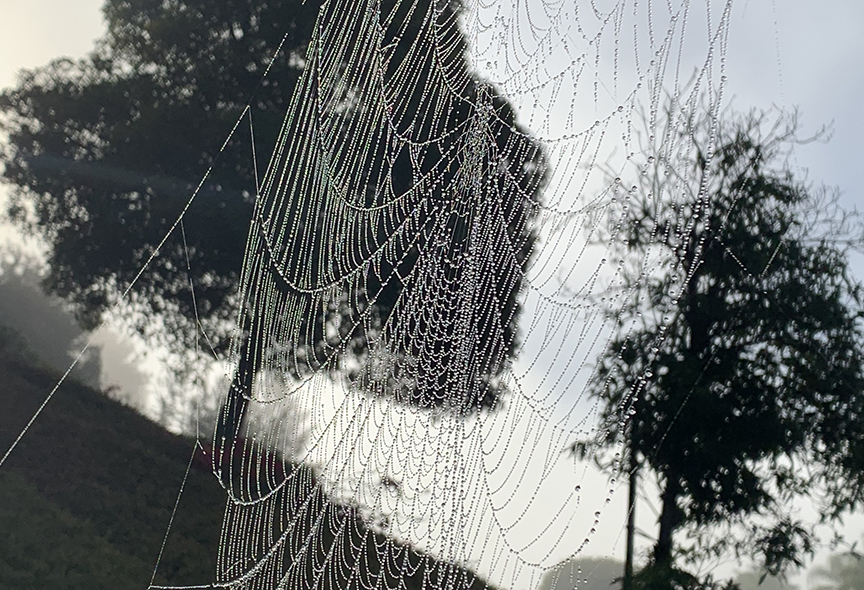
(424, 293)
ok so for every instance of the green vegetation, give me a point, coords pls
(44, 545)
(737, 373)
(101, 156)
(87, 495)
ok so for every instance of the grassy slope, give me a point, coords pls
(89, 491)
(86, 497)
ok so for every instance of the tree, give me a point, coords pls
(844, 571)
(736, 374)
(37, 326)
(104, 153)
(585, 574)
(755, 580)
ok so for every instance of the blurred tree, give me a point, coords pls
(755, 580)
(35, 325)
(843, 571)
(736, 375)
(104, 153)
(585, 574)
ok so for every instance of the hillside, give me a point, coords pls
(86, 497)
(585, 574)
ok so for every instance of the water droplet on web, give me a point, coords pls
(452, 182)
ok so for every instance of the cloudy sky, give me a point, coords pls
(811, 59)
(785, 52)
(781, 52)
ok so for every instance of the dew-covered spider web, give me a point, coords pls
(429, 275)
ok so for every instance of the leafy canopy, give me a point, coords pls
(104, 153)
(736, 375)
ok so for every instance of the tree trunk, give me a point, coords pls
(632, 482)
(233, 412)
(670, 518)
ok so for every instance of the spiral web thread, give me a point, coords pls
(424, 291)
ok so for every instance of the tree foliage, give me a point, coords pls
(104, 153)
(736, 375)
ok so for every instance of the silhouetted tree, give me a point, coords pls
(104, 153)
(736, 376)
(37, 326)
(844, 571)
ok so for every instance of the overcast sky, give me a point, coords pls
(819, 69)
(820, 66)
(785, 52)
